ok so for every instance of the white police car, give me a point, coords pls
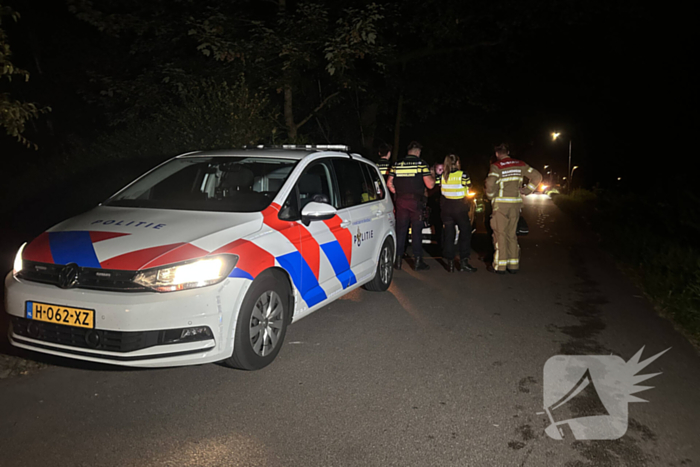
(205, 258)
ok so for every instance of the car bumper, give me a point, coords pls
(132, 315)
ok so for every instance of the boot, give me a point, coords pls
(512, 271)
(420, 264)
(464, 266)
(490, 268)
(397, 263)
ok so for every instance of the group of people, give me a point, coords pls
(410, 179)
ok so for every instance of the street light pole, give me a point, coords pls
(570, 173)
(571, 177)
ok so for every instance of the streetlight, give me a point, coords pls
(554, 138)
(571, 177)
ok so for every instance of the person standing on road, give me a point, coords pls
(408, 180)
(504, 187)
(454, 209)
(384, 161)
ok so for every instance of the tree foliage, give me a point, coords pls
(210, 113)
(310, 56)
(286, 48)
(14, 114)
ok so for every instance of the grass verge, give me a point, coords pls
(654, 247)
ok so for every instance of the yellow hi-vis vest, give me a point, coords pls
(455, 187)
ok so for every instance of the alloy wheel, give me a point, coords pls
(386, 268)
(266, 323)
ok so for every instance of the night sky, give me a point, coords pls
(613, 77)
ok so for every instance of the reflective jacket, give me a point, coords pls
(456, 186)
(505, 180)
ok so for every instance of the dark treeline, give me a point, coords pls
(131, 79)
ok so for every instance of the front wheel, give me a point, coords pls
(385, 268)
(261, 325)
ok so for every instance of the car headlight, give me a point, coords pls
(17, 266)
(187, 275)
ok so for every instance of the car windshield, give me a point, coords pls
(233, 184)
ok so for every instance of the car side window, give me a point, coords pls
(375, 182)
(353, 187)
(314, 184)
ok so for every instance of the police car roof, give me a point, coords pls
(295, 153)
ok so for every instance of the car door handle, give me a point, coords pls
(345, 224)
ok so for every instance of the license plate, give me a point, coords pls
(59, 314)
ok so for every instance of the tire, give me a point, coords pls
(257, 349)
(385, 268)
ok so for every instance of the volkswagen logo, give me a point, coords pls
(68, 277)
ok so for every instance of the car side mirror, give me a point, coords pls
(317, 212)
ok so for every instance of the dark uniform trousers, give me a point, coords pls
(456, 211)
(409, 210)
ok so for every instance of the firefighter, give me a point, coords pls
(504, 187)
(454, 209)
(384, 161)
(408, 180)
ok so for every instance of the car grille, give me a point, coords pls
(88, 278)
(96, 339)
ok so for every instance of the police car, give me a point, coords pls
(207, 257)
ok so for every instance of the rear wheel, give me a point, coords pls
(385, 268)
(261, 325)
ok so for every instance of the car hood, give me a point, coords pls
(136, 238)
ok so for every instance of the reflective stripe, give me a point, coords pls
(510, 179)
(529, 170)
(508, 200)
(531, 186)
(513, 261)
(493, 174)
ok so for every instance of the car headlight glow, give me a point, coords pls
(17, 266)
(188, 275)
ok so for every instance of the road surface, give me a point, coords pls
(443, 370)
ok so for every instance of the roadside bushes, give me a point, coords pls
(203, 114)
(654, 240)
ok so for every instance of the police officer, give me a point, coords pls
(454, 209)
(504, 187)
(408, 179)
(384, 159)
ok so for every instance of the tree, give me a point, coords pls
(14, 114)
(288, 48)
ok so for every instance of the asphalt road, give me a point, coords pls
(443, 370)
